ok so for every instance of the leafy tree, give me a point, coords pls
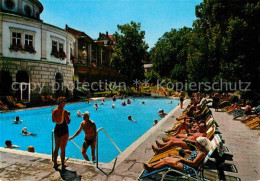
(130, 51)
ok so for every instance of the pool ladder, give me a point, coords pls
(97, 151)
(52, 135)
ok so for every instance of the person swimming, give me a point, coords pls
(17, 120)
(128, 101)
(96, 106)
(130, 119)
(9, 144)
(102, 102)
(155, 122)
(162, 113)
(143, 102)
(79, 113)
(113, 106)
(123, 103)
(26, 133)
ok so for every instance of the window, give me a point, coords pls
(54, 46)
(28, 10)
(28, 40)
(10, 4)
(16, 38)
(60, 47)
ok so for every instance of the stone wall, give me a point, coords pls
(41, 73)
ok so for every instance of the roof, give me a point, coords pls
(77, 33)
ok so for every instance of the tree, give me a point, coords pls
(130, 51)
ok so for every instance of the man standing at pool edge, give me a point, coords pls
(61, 117)
(90, 130)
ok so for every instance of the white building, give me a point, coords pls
(32, 51)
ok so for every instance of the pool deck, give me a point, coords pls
(242, 142)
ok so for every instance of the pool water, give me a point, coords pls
(114, 121)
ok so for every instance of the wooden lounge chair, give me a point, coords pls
(13, 102)
(3, 106)
(44, 100)
(254, 125)
(252, 121)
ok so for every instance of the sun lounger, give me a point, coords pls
(3, 106)
(13, 102)
(169, 172)
(175, 150)
(254, 125)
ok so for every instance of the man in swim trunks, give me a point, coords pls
(90, 130)
(61, 117)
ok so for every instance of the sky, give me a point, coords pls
(94, 16)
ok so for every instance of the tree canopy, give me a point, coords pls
(130, 51)
(224, 43)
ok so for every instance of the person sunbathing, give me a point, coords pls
(177, 141)
(203, 145)
(189, 136)
(250, 117)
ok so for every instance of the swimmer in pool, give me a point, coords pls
(123, 103)
(162, 113)
(9, 144)
(96, 106)
(130, 119)
(79, 113)
(113, 106)
(26, 133)
(90, 130)
(128, 101)
(17, 120)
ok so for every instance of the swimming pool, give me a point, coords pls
(114, 121)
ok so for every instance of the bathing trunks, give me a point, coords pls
(61, 129)
(89, 141)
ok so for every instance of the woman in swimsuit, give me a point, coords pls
(182, 164)
(61, 132)
(89, 127)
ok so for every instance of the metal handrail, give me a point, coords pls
(97, 151)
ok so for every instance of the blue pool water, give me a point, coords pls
(114, 121)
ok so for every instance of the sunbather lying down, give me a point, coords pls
(177, 141)
(179, 163)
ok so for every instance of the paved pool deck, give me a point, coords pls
(242, 142)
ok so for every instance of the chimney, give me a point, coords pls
(107, 33)
(66, 28)
(99, 34)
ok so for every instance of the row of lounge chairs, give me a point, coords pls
(218, 152)
(252, 121)
(48, 99)
(9, 102)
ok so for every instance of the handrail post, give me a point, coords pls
(52, 145)
(97, 152)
